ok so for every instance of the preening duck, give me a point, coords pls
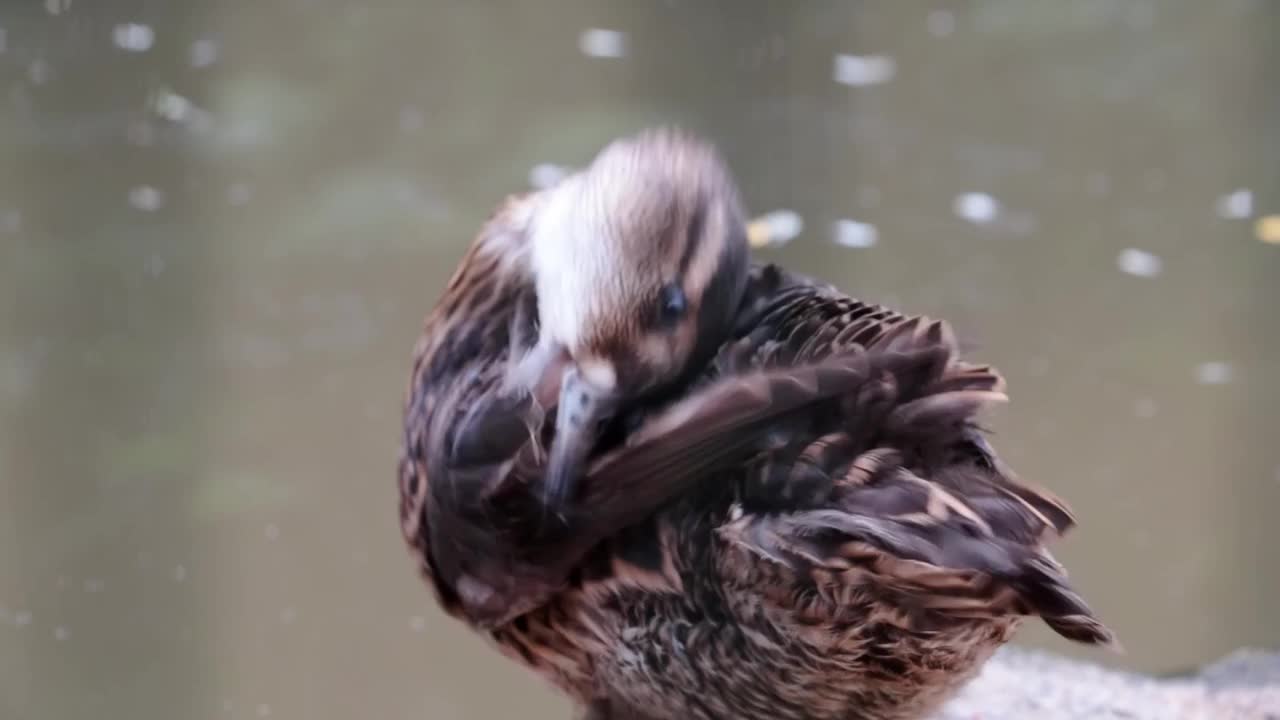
(680, 485)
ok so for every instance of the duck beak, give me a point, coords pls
(588, 398)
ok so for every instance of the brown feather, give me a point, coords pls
(811, 526)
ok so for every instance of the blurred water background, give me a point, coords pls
(221, 224)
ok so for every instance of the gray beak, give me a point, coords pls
(583, 408)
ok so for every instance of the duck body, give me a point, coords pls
(862, 566)
(807, 522)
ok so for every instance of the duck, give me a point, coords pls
(676, 482)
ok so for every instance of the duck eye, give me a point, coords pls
(672, 303)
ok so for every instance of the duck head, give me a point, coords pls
(640, 262)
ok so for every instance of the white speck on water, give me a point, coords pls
(11, 221)
(1235, 205)
(61, 633)
(863, 70)
(941, 22)
(1098, 183)
(854, 234)
(134, 37)
(271, 532)
(203, 53)
(412, 119)
(57, 7)
(146, 198)
(179, 573)
(22, 618)
(1142, 16)
(239, 194)
(288, 615)
(263, 710)
(601, 43)
(417, 623)
(38, 72)
(93, 585)
(172, 106)
(781, 226)
(976, 207)
(1155, 180)
(545, 175)
(1145, 408)
(1213, 373)
(1139, 263)
(153, 266)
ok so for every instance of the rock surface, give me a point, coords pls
(1022, 684)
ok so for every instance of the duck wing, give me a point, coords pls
(894, 494)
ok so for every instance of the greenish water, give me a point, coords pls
(221, 225)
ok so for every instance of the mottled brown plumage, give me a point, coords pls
(806, 524)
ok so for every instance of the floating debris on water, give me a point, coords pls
(173, 107)
(1139, 263)
(38, 72)
(545, 175)
(1214, 373)
(1268, 229)
(941, 23)
(774, 229)
(1145, 408)
(146, 198)
(133, 37)
(239, 194)
(1235, 205)
(412, 119)
(10, 221)
(976, 207)
(863, 70)
(203, 53)
(854, 234)
(1155, 180)
(1098, 183)
(153, 266)
(597, 42)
